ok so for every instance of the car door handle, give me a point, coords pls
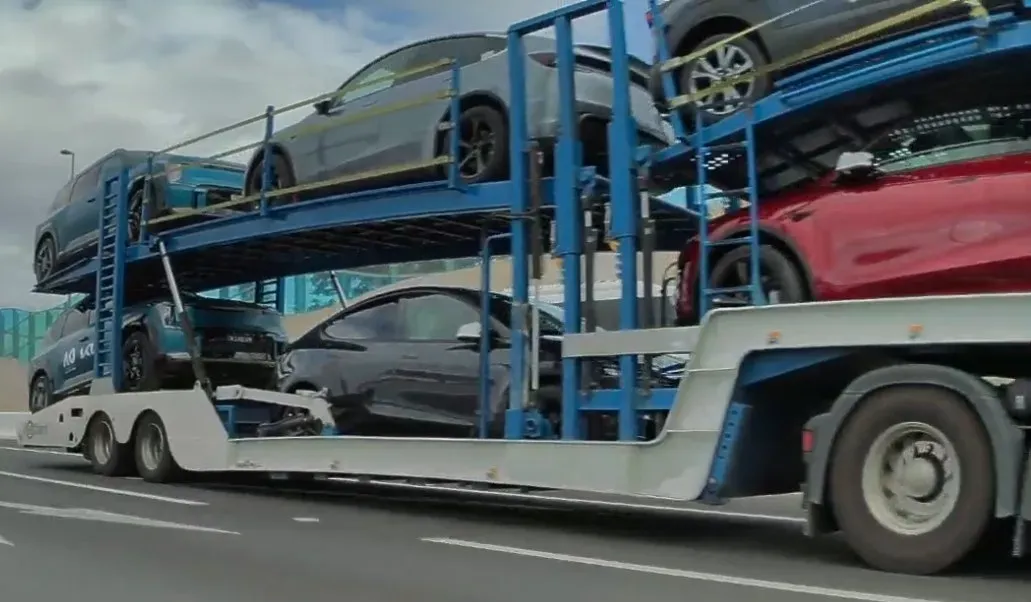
(964, 180)
(409, 356)
(83, 339)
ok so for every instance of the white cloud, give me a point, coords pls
(98, 75)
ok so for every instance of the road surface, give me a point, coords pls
(67, 534)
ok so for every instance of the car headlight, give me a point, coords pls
(173, 173)
(168, 317)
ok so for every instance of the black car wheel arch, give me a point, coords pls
(282, 176)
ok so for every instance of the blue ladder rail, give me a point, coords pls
(708, 295)
(110, 285)
(751, 286)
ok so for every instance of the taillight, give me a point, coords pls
(548, 59)
(808, 441)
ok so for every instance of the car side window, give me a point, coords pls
(953, 138)
(376, 77)
(473, 49)
(77, 320)
(368, 323)
(86, 184)
(64, 196)
(55, 332)
(434, 52)
(435, 317)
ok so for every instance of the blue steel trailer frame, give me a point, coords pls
(274, 242)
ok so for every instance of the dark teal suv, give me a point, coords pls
(238, 342)
(180, 184)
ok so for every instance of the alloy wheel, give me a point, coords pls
(713, 70)
(38, 398)
(132, 361)
(44, 260)
(740, 277)
(476, 147)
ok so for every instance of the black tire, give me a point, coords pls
(106, 455)
(776, 270)
(282, 177)
(144, 375)
(481, 128)
(743, 47)
(45, 260)
(41, 393)
(152, 454)
(966, 524)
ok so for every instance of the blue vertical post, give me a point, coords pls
(518, 134)
(569, 233)
(266, 161)
(702, 204)
(758, 297)
(281, 295)
(625, 210)
(485, 410)
(148, 194)
(454, 173)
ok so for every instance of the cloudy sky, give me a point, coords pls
(94, 75)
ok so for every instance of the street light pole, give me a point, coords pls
(67, 153)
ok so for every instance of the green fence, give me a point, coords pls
(22, 330)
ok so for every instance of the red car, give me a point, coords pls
(940, 209)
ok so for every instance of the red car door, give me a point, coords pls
(950, 217)
(890, 237)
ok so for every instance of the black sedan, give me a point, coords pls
(787, 29)
(406, 363)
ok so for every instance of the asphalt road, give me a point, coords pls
(67, 534)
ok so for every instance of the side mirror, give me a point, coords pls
(469, 333)
(322, 106)
(852, 163)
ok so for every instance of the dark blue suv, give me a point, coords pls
(239, 343)
(69, 232)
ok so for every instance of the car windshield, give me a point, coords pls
(953, 137)
(550, 315)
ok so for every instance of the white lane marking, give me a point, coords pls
(781, 586)
(107, 517)
(136, 494)
(306, 519)
(507, 495)
(5, 542)
(52, 452)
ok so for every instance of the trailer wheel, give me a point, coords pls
(154, 460)
(106, 455)
(911, 481)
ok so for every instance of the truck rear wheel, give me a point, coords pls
(912, 483)
(106, 455)
(154, 460)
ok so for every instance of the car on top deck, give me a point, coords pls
(936, 206)
(181, 185)
(238, 343)
(393, 112)
(788, 32)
